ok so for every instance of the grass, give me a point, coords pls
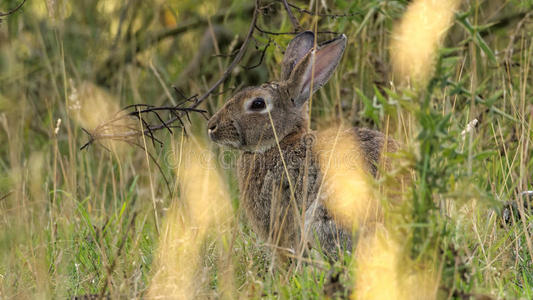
(78, 223)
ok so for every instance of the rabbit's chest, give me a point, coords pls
(270, 175)
(272, 184)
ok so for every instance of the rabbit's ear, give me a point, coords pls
(298, 47)
(315, 69)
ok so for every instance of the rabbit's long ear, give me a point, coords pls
(298, 47)
(315, 69)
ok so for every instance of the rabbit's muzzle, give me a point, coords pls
(224, 133)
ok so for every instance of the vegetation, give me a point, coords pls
(88, 223)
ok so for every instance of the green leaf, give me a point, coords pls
(369, 111)
(478, 40)
(485, 154)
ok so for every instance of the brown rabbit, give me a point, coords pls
(279, 175)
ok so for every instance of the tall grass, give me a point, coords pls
(79, 223)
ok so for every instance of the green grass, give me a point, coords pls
(78, 223)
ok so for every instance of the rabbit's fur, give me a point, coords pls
(279, 207)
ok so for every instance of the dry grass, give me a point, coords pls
(99, 222)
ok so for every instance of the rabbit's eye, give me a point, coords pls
(258, 104)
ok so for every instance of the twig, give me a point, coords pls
(6, 195)
(167, 183)
(14, 10)
(305, 11)
(163, 85)
(263, 52)
(180, 94)
(294, 22)
(226, 55)
(291, 32)
(167, 108)
(90, 141)
(104, 131)
(235, 61)
(509, 49)
(120, 23)
(127, 53)
(502, 23)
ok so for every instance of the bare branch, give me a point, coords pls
(107, 130)
(127, 53)
(305, 11)
(14, 10)
(294, 21)
(167, 183)
(115, 129)
(261, 58)
(235, 61)
(290, 33)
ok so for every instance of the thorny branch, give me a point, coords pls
(118, 129)
(151, 118)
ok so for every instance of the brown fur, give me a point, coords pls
(280, 183)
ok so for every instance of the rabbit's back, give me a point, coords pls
(266, 190)
(373, 144)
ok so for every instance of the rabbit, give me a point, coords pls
(279, 175)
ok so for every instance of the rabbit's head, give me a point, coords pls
(247, 121)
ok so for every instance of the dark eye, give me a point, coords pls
(258, 104)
